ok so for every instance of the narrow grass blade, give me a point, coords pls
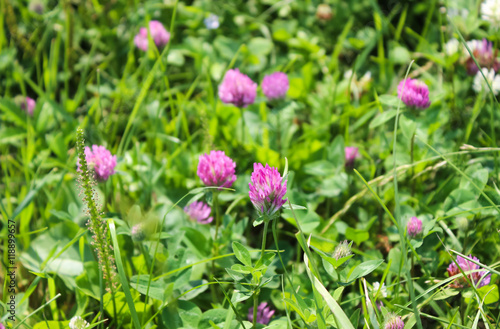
(123, 277)
(461, 173)
(35, 311)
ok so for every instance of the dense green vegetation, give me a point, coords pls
(383, 126)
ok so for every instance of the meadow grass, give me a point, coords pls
(388, 112)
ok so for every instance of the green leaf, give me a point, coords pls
(389, 100)
(356, 235)
(382, 118)
(294, 206)
(242, 253)
(260, 46)
(337, 311)
(156, 289)
(408, 126)
(490, 292)
(364, 269)
(445, 293)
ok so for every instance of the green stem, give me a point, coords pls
(266, 224)
(255, 306)
(278, 133)
(242, 126)
(216, 243)
(217, 223)
(412, 169)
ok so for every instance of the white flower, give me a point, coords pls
(451, 47)
(490, 11)
(479, 83)
(77, 322)
(383, 290)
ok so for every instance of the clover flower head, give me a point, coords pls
(158, 32)
(480, 85)
(342, 250)
(466, 265)
(414, 227)
(77, 322)
(28, 104)
(275, 85)
(216, 169)
(101, 161)
(451, 47)
(383, 290)
(393, 321)
(267, 190)
(237, 88)
(484, 54)
(351, 154)
(490, 11)
(414, 93)
(200, 212)
(211, 22)
(324, 12)
(264, 314)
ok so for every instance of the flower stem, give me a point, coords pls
(255, 306)
(216, 243)
(411, 162)
(242, 126)
(266, 224)
(217, 223)
(278, 133)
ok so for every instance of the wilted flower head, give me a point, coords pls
(393, 321)
(264, 314)
(237, 88)
(480, 85)
(37, 7)
(414, 93)
(358, 87)
(490, 11)
(342, 250)
(216, 169)
(484, 54)
(158, 33)
(414, 227)
(200, 212)
(351, 154)
(467, 265)
(26, 103)
(211, 22)
(267, 189)
(138, 233)
(324, 12)
(77, 322)
(275, 85)
(101, 161)
(383, 290)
